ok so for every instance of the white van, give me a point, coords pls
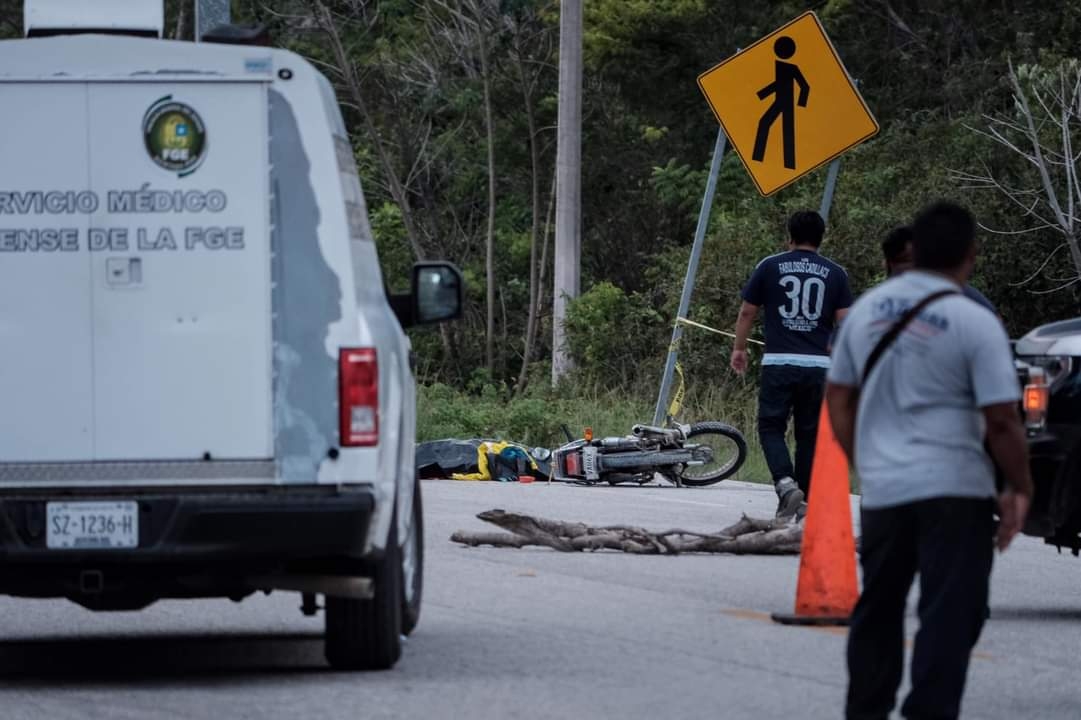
(205, 389)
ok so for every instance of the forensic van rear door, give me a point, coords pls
(135, 303)
(180, 270)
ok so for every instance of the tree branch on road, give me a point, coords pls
(749, 536)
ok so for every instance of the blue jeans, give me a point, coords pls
(790, 391)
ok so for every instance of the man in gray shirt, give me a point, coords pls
(945, 383)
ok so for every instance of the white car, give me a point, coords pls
(205, 389)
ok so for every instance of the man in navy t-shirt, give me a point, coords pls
(803, 297)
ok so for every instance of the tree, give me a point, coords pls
(531, 48)
(330, 25)
(468, 27)
(1044, 130)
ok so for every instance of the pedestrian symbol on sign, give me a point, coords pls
(781, 89)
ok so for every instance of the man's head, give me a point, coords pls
(944, 240)
(806, 228)
(897, 250)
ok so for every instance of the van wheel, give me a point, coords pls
(364, 634)
(413, 566)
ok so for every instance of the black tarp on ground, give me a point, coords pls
(442, 458)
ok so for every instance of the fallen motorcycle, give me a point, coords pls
(695, 455)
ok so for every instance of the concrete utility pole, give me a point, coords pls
(209, 14)
(568, 245)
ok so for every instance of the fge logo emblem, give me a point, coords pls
(175, 136)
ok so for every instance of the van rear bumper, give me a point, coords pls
(192, 542)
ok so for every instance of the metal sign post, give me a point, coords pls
(831, 180)
(692, 271)
(210, 14)
(831, 186)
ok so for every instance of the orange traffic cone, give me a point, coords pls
(827, 590)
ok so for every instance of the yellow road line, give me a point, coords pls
(744, 614)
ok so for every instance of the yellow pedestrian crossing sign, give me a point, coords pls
(787, 104)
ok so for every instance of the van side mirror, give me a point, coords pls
(435, 295)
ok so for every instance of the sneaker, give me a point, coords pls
(790, 497)
(801, 511)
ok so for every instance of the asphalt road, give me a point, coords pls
(534, 634)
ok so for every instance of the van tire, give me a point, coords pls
(411, 600)
(364, 634)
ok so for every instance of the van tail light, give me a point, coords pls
(358, 397)
(1037, 396)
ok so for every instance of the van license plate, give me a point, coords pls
(91, 525)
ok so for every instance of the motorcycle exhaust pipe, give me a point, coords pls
(645, 430)
(620, 443)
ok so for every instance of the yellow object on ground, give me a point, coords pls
(495, 448)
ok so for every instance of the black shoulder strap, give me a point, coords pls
(898, 327)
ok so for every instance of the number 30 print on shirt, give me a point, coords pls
(800, 293)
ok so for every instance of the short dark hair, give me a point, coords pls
(896, 243)
(806, 228)
(943, 235)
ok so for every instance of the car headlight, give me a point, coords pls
(1055, 367)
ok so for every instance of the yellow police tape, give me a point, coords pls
(691, 323)
(677, 398)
